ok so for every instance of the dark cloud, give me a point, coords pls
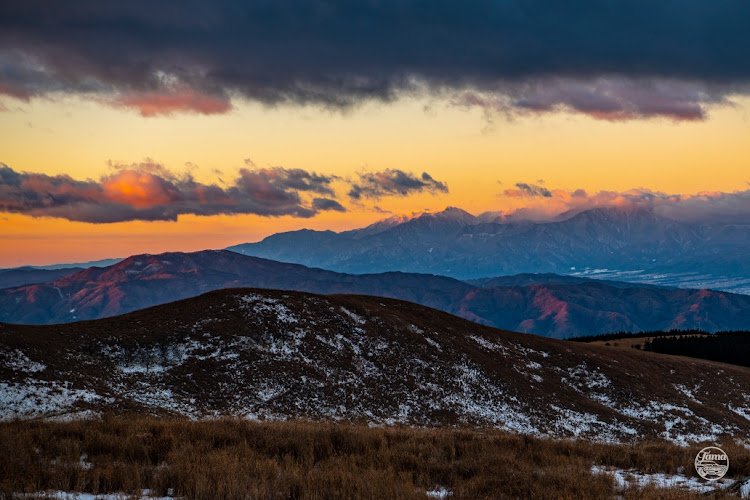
(327, 204)
(614, 59)
(379, 210)
(393, 183)
(528, 190)
(147, 191)
(297, 178)
(302, 180)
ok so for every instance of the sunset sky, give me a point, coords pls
(128, 128)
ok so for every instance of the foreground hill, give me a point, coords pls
(635, 245)
(275, 354)
(548, 305)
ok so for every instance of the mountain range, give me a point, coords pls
(636, 245)
(279, 354)
(29, 275)
(545, 304)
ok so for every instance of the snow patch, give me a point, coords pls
(742, 411)
(18, 361)
(138, 368)
(490, 346)
(356, 317)
(439, 492)
(634, 478)
(260, 304)
(690, 393)
(433, 343)
(41, 398)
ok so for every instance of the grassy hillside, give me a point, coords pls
(242, 459)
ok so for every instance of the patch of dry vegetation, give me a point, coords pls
(233, 458)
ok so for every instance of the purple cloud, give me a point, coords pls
(147, 191)
(613, 99)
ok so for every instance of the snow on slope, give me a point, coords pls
(264, 354)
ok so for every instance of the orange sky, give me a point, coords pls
(475, 155)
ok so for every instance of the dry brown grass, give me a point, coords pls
(234, 459)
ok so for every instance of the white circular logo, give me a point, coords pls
(711, 463)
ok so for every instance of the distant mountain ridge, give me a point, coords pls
(526, 279)
(29, 275)
(629, 244)
(543, 304)
(75, 265)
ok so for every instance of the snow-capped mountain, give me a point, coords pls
(625, 244)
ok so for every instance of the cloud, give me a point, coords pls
(523, 189)
(611, 59)
(327, 204)
(709, 206)
(301, 180)
(613, 99)
(147, 191)
(393, 183)
(377, 209)
(166, 103)
(705, 206)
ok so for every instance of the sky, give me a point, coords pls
(128, 127)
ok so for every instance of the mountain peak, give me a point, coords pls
(448, 214)
(384, 224)
(451, 213)
(455, 211)
(452, 209)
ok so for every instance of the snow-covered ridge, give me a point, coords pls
(281, 355)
